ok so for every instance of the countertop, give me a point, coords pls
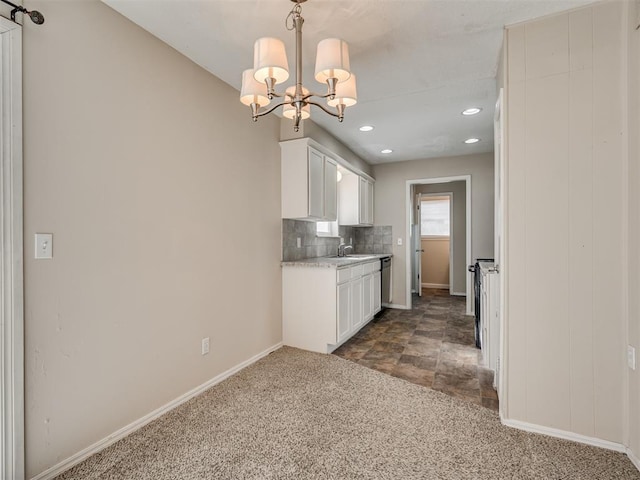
(336, 262)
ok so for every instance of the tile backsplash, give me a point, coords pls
(376, 239)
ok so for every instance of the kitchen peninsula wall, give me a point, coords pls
(376, 239)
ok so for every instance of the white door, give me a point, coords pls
(377, 290)
(316, 184)
(367, 297)
(344, 311)
(362, 201)
(330, 190)
(357, 318)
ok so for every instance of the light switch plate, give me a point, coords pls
(205, 346)
(44, 246)
(631, 357)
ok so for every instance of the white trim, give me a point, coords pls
(500, 249)
(396, 306)
(11, 259)
(635, 460)
(435, 285)
(554, 432)
(408, 208)
(457, 294)
(141, 422)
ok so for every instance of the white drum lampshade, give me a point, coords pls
(332, 60)
(270, 60)
(253, 91)
(289, 111)
(346, 93)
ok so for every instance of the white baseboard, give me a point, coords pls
(575, 437)
(635, 460)
(395, 305)
(435, 285)
(141, 422)
(458, 294)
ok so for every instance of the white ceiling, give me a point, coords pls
(419, 63)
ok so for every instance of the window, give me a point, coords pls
(327, 229)
(434, 216)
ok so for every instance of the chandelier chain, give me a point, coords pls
(295, 12)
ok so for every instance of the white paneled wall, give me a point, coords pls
(566, 219)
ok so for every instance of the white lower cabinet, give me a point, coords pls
(324, 307)
(377, 292)
(344, 311)
(367, 297)
(357, 318)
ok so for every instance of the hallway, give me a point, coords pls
(431, 345)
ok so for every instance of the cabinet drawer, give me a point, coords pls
(370, 267)
(356, 271)
(344, 275)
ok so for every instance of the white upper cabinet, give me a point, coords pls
(330, 189)
(356, 200)
(309, 182)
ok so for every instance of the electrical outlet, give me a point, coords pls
(631, 357)
(399, 242)
(205, 346)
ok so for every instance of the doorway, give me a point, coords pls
(460, 279)
(434, 239)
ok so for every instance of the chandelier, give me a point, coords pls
(270, 68)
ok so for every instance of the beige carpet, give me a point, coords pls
(299, 415)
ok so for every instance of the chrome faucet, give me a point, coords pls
(342, 249)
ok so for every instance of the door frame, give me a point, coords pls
(408, 213)
(12, 261)
(500, 250)
(450, 196)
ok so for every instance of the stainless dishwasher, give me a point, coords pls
(385, 287)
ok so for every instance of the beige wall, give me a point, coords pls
(391, 206)
(140, 163)
(435, 262)
(566, 259)
(634, 224)
(311, 129)
(459, 228)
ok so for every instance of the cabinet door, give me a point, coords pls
(344, 311)
(377, 291)
(330, 190)
(316, 183)
(362, 201)
(357, 319)
(367, 297)
(369, 202)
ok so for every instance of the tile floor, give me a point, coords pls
(432, 345)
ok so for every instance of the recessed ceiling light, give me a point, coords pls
(472, 140)
(471, 111)
(366, 128)
(386, 150)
